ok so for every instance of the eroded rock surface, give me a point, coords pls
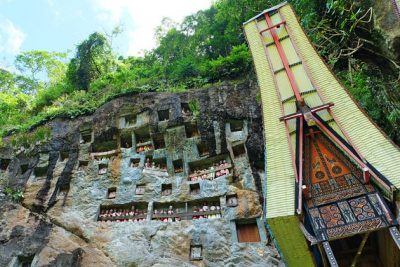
(103, 164)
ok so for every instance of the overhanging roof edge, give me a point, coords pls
(266, 10)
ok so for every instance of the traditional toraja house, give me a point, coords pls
(332, 176)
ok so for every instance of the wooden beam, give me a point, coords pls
(360, 249)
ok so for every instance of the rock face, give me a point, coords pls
(147, 180)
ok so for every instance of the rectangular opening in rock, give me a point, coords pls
(130, 120)
(178, 166)
(194, 189)
(143, 140)
(140, 189)
(24, 168)
(236, 125)
(206, 208)
(105, 146)
(63, 191)
(160, 164)
(169, 212)
(4, 164)
(191, 130)
(166, 189)
(103, 168)
(210, 168)
(196, 252)
(40, 171)
(126, 139)
(24, 261)
(247, 231)
(112, 193)
(135, 163)
(86, 136)
(132, 212)
(83, 165)
(185, 110)
(239, 151)
(163, 115)
(231, 200)
(202, 147)
(158, 140)
(64, 155)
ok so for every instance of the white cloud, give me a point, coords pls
(145, 16)
(11, 38)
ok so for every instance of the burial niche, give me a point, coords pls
(103, 168)
(185, 110)
(130, 212)
(158, 140)
(126, 139)
(202, 147)
(4, 164)
(143, 140)
(140, 189)
(239, 151)
(86, 136)
(40, 171)
(194, 189)
(111, 193)
(231, 200)
(163, 115)
(247, 231)
(196, 252)
(166, 189)
(210, 168)
(134, 163)
(236, 125)
(178, 166)
(191, 130)
(64, 155)
(83, 164)
(129, 120)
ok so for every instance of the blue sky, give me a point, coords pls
(59, 25)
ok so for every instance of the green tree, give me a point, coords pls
(93, 58)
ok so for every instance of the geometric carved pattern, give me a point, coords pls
(347, 217)
(362, 208)
(395, 235)
(340, 204)
(331, 215)
(356, 228)
(329, 254)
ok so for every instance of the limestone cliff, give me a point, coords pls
(147, 180)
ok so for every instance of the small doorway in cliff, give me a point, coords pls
(4, 164)
(178, 166)
(24, 261)
(163, 115)
(247, 231)
(40, 171)
(158, 140)
(111, 193)
(236, 125)
(166, 189)
(86, 136)
(64, 155)
(239, 151)
(191, 130)
(126, 139)
(203, 149)
(196, 252)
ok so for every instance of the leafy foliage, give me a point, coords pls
(15, 195)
